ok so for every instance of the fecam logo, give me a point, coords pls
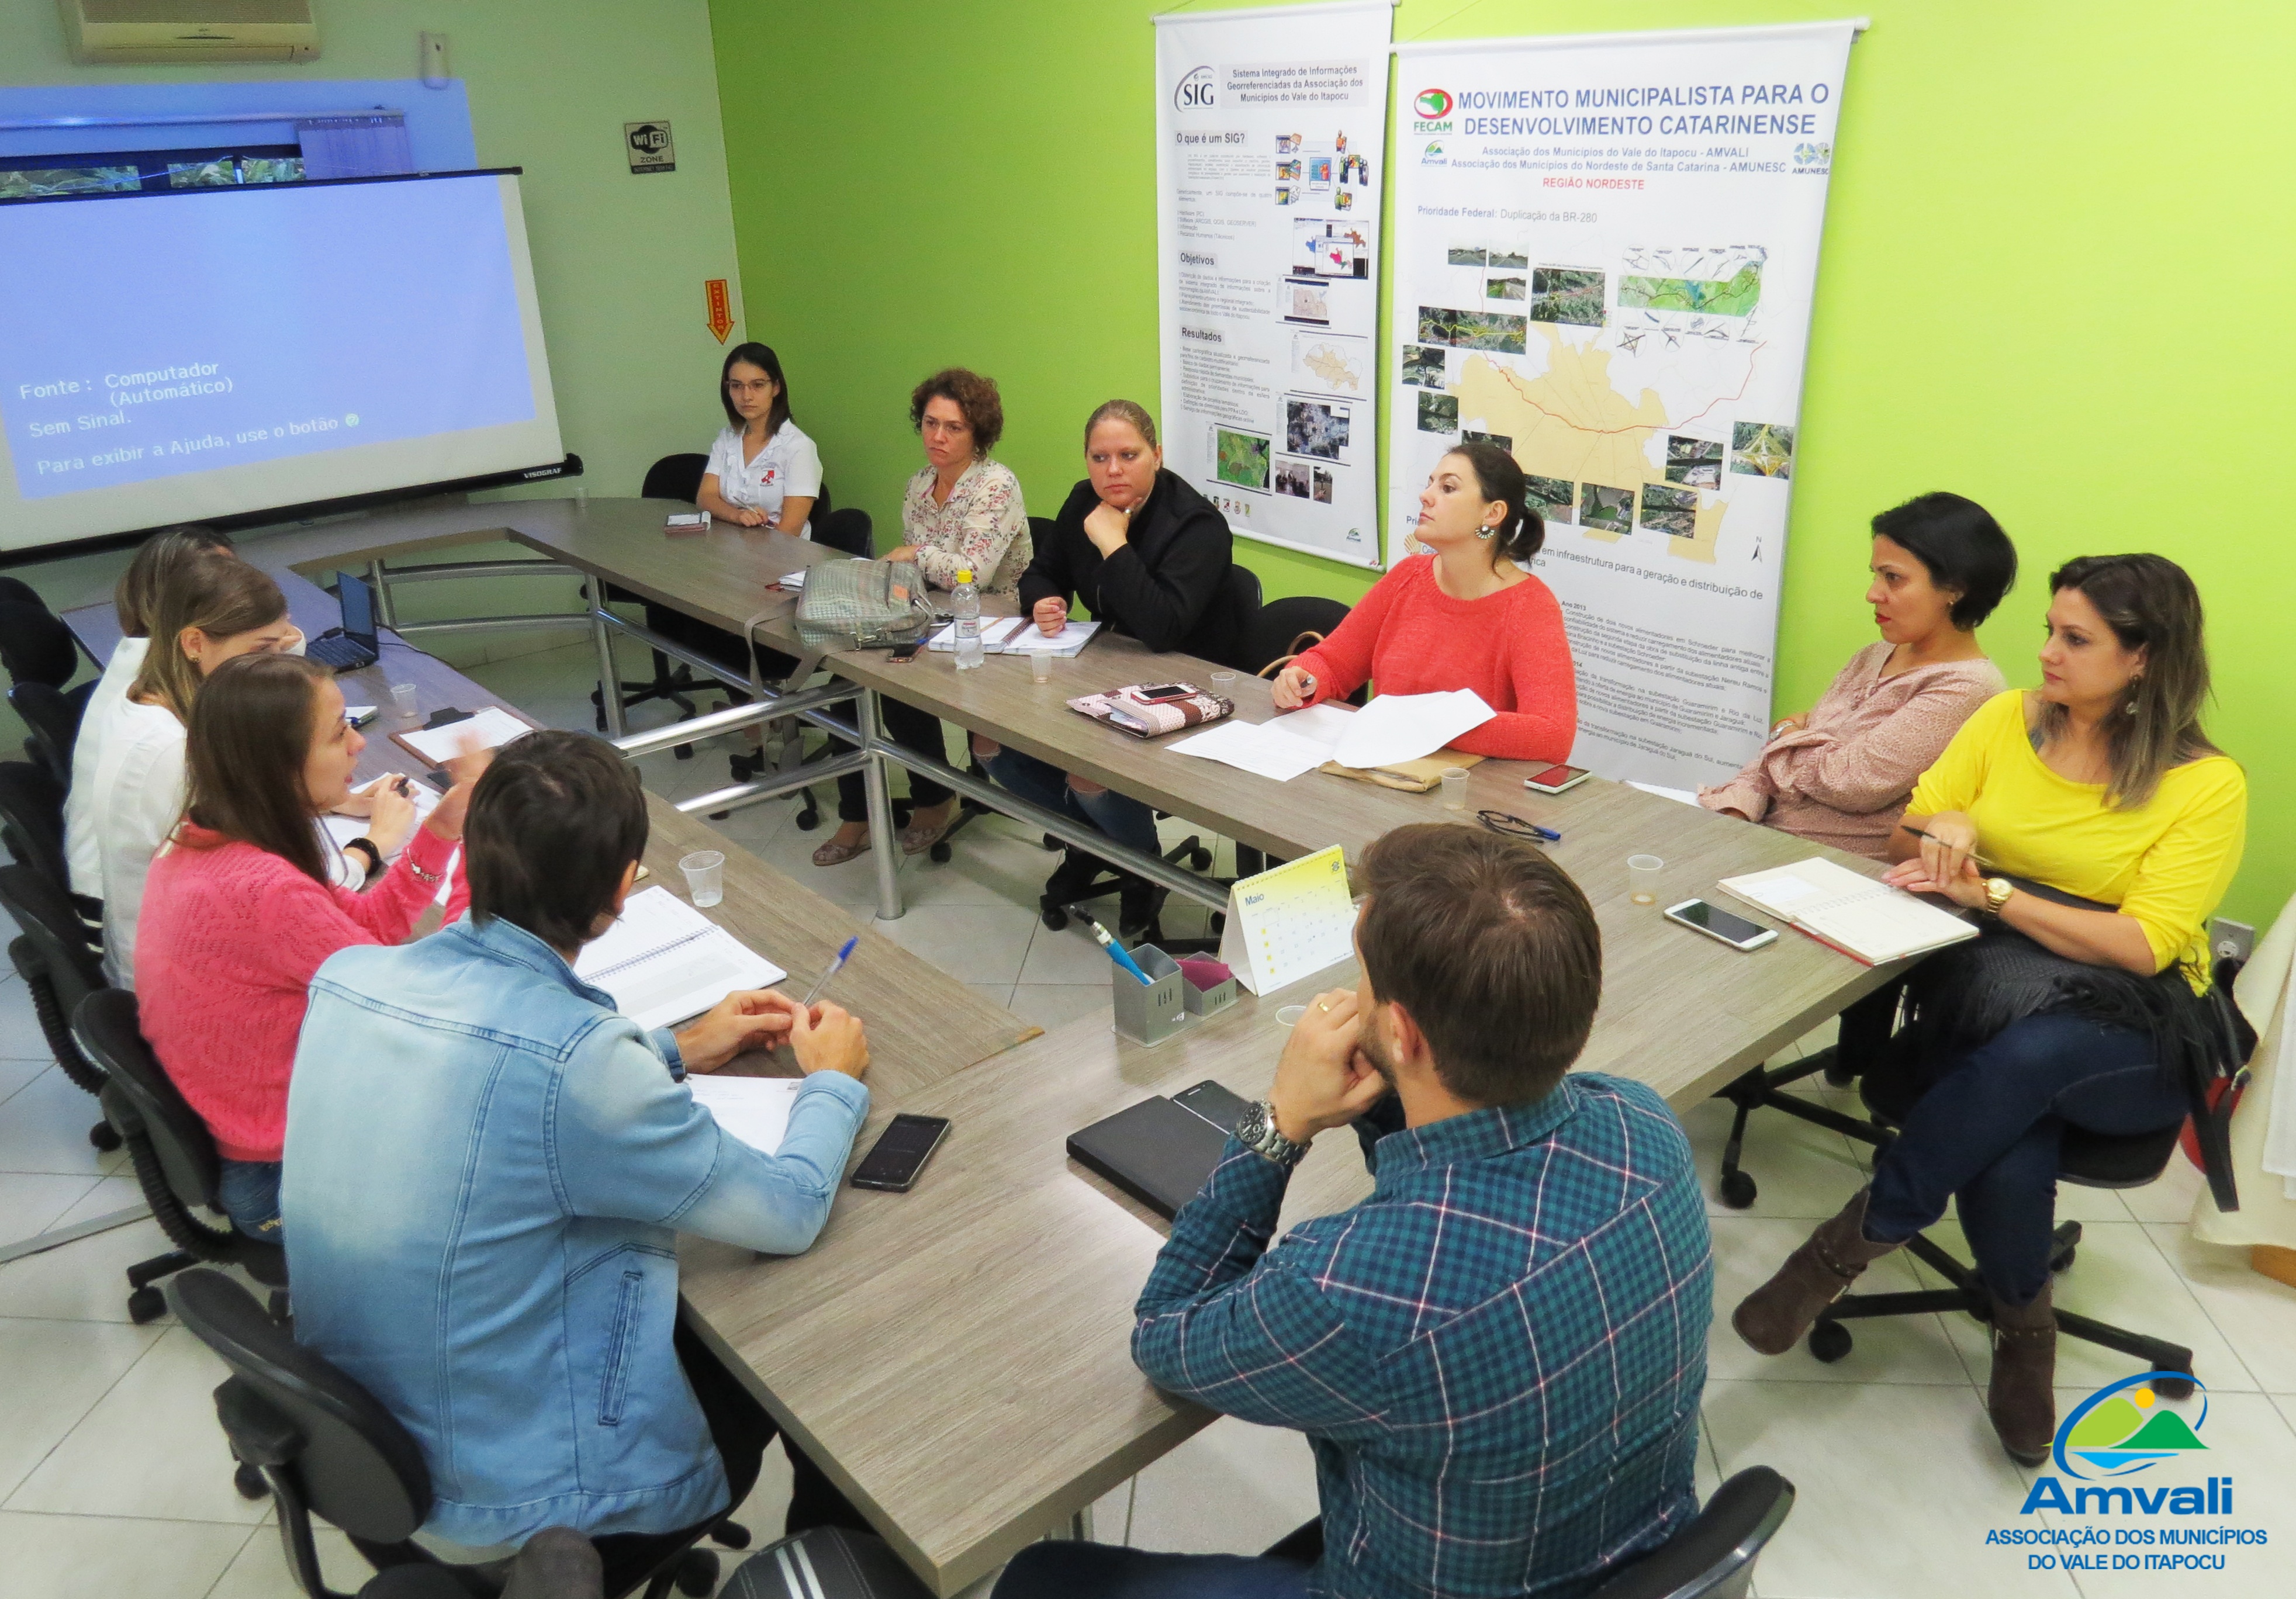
(1195, 92)
(1432, 103)
(2122, 1428)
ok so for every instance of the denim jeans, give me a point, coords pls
(919, 730)
(1985, 1133)
(1075, 1571)
(1127, 820)
(248, 1192)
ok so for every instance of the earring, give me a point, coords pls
(1485, 532)
(2131, 707)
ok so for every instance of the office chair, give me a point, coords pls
(825, 1562)
(34, 644)
(60, 968)
(1712, 1558)
(557, 1562)
(325, 1446)
(32, 821)
(176, 1160)
(52, 717)
(672, 478)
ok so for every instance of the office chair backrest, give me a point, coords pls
(341, 1453)
(675, 478)
(851, 530)
(45, 913)
(34, 644)
(52, 717)
(105, 1025)
(1713, 1557)
(1236, 606)
(32, 819)
(1279, 623)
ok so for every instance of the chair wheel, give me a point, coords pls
(697, 1573)
(684, 752)
(940, 853)
(146, 1305)
(1200, 858)
(1050, 842)
(1738, 1190)
(249, 1482)
(104, 1136)
(1056, 917)
(1839, 1076)
(732, 1535)
(2174, 1388)
(1829, 1341)
(809, 818)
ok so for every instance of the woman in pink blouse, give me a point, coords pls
(962, 512)
(1840, 774)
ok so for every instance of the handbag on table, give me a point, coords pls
(863, 605)
(1125, 710)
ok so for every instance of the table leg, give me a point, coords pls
(884, 844)
(610, 681)
(386, 607)
(1080, 1526)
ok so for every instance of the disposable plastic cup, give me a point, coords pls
(405, 701)
(705, 877)
(1642, 878)
(1224, 685)
(1454, 788)
(1041, 666)
(1291, 1014)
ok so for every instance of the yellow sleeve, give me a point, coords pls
(1958, 777)
(2182, 879)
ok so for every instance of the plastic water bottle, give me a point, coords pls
(964, 605)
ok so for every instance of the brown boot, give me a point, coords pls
(1774, 1317)
(2021, 1399)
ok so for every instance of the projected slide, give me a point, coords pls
(182, 333)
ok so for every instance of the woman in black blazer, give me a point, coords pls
(1150, 556)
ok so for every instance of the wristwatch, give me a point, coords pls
(1257, 1132)
(366, 846)
(1998, 890)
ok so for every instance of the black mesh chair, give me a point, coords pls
(52, 717)
(176, 1160)
(825, 1562)
(34, 644)
(326, 1447)
(672, 478)
(32, 820)
(60, 968)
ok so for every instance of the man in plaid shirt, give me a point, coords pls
(1498, 1356)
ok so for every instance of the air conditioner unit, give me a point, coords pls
(100, 33)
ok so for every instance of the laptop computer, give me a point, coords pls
(355, 644)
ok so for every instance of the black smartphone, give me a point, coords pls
(900, 1153)
(907, 653)
(1214, 1103)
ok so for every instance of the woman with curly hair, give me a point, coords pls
(962, 512)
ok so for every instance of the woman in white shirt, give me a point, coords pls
(214, 608)
(763, 471)
(136, 600)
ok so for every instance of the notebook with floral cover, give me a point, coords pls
(1124, 710)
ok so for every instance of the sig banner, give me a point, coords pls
(1268, 130)
(1605, 249)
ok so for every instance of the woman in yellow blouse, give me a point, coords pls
(2097, 828)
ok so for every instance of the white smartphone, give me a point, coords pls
(1556, 778)
(1716, 923)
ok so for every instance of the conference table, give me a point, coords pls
(957, 1357)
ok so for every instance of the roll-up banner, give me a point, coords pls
(1269, 131)
(1605, 250)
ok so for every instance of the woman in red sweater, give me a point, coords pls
(1468, 615)
(239, 910)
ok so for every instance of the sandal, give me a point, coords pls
(834, 854)
(918, 837)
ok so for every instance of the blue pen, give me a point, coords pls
(1547, 833)
(836, 964)
(1116, 953)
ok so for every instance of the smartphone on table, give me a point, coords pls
(1556, 778)
(1214, 1103)
(900, 1153)
(1719, 925)
(903, 653)
(1157, 694)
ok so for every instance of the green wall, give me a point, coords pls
(2042, 216)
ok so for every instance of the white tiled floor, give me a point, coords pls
(114, 1478)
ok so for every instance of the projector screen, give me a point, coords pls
(204, 353)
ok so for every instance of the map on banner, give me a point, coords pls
(1604, 257)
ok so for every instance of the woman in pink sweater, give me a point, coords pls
(239, 910)
(1469, 615)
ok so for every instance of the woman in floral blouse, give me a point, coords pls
(962, 512)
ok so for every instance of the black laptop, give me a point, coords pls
(354, 644)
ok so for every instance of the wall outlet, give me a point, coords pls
(2230, 938)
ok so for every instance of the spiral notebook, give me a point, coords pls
(1863, 917)
(663, 960)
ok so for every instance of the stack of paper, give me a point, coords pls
(663, 960)
(1019, 636)
(1392, 729)
(486, 729)
(755, 1110)
(1864, 918)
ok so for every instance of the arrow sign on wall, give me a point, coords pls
(721, 307)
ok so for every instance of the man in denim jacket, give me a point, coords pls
(488, 1166)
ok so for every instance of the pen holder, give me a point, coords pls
(1150, 1013)
(1206, 1001)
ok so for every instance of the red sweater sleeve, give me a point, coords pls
(1538, 665)
(326, 917)
(1342, 663)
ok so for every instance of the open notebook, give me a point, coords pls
(1864, 919)
(663, 960)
